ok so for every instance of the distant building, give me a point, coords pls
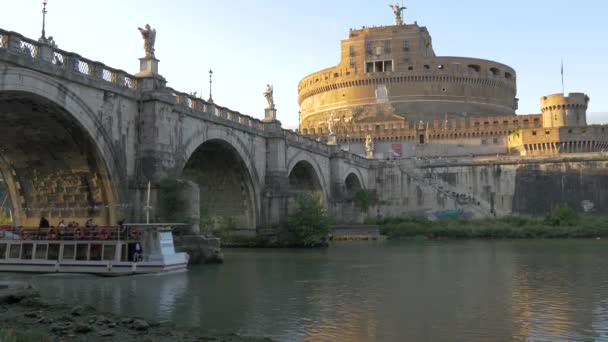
(390, 85)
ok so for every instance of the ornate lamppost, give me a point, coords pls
(210, 81)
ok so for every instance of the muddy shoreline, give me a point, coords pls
(26, 316)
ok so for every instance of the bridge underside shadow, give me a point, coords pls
(50, 164)
(303, 180)
(227, 198)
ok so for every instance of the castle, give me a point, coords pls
(391, 88)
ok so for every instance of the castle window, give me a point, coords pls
(533, 132)
(406, 45)
(379, 66)
(495, 141)
(440, 67)
(378, 50)
(508, 75)
(387, 46)
(547, 131)
(352, 61)
(410, 68)
(388, 66)
(570, 130)
(495, 72)
(427, 67)
(455, 67)
(369, 67)
(352, 51)
(368, 48)
(473, 68)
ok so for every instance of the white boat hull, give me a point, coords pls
(103, 268)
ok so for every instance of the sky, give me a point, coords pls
(251, 43)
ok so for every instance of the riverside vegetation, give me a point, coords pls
(559, 223)
(307, 226)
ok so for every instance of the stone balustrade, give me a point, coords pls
(16, 43)
(71, 62)
(200, 106)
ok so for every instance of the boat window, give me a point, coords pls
(41, 251)
(68, 252)
(27, 250)
(108, 252)
(95, 253)
(53, 251)
(123, 253)
(82, 250)
(15, 251)
(2, 250)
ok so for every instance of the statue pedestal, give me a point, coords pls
(148, 67)
(331, 140)
(270, 115)
(369, 154)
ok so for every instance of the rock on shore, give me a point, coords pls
(24, 314)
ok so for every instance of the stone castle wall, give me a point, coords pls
(481, 187)
(394, 71)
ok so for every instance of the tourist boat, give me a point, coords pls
(108, 251)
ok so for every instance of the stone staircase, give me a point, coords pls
(467, 202)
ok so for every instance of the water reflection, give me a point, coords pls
(418, 291)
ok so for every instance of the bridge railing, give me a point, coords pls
(306, 141)
(60, 59)
(197, 105)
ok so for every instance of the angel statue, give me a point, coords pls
(397, 10)
(331, 124)
(268, 96)
(149, 36)
(369, 145)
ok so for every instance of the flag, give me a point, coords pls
(563, 76)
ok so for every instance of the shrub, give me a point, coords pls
(561, 216)
(364, 199)
(4, 218)
(309, 223)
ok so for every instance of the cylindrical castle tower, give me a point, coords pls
(392, 71)
(564, 111)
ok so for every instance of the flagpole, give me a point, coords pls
(563, 88)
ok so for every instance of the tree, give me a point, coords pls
(309, 223)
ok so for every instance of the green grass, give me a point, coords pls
(561, 223)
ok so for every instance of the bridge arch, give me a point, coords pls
(58, 160)
(305, 175)
(352, 184)
(225, 172)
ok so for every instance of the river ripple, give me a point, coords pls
(386, 291)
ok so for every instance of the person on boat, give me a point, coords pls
(90, 228)
(138, 254)
(122, 230)
(44, 223)
(62, 228)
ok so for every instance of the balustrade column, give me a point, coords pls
(120, 78)
(14, 41)
(96, 70)
(71, 62)
(45, 52)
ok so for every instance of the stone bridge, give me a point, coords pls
(80, 139)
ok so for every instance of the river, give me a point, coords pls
(533, 290)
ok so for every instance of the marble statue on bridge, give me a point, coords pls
(149, 36)
(268, 96)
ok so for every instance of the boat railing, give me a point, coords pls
(100, 233)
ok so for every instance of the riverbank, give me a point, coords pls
(556, 225)
(27, 317)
